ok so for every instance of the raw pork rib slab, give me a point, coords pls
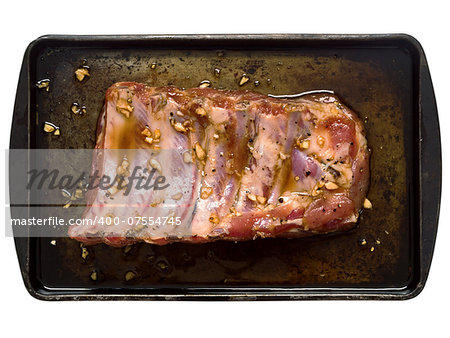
(238, 164)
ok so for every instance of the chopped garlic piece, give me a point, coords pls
(178, 196)
(157, 134)
(124, 109)
(75, 108)
(125, 164)
(200, 111)
(156, 165)
(261, 199)
(199, 151)
(146, 132)
(251, 197)
(94, 275)
(303, 144)
(179, 127)
(84, 252)
(367, 204)
(130, 275)
(316, 192)
(331, 186)
(244, 80)
(204, 84)
(43, 84)
(81, 73)
(49, 127)
(187, 157)
(78, 193)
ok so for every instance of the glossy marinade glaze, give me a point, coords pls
(239, 164)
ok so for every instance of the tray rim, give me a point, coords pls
(430, 172)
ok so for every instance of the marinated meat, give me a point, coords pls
(230, 165)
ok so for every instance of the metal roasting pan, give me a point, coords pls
(384, 78)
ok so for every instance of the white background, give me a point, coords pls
(428, 314)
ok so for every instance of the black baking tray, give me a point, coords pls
(384, 78)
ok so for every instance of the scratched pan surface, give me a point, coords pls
(383, 78)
